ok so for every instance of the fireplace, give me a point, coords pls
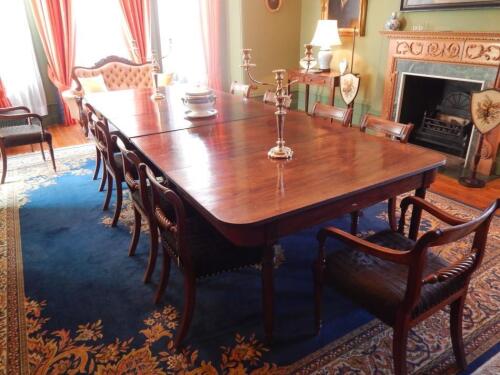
(439, 107)
(435, 71)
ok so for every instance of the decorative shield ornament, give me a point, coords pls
(349, 87)
(485, 110)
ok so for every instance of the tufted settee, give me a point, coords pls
(117, 73)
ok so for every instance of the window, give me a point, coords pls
(98, 31)
(182, 40)
(18, 65)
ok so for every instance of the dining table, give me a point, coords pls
(220, 166)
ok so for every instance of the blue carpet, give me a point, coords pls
(78, 275)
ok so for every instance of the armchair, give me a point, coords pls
(17, 129)
(398, 280)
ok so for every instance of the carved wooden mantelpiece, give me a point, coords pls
(463, 48)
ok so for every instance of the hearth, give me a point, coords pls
(439, 107)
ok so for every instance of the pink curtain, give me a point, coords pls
(212, 19)
(138, 21)
(4, 101)
(55, 25)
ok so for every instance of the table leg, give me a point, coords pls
(416, 215)
(268, 291)
(332, 95)
(307, 98)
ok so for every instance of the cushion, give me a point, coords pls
(93, 84)
(379, 285)
(17, 135)
(212, 253)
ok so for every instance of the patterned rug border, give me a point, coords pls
(16, 345)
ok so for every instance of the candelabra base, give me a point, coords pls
(157, 96)
(471, 182)
(282, 152)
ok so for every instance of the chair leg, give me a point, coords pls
(456, 315)
(108, 192)
(354, 222)
(104, 178)
(318, 276)
(391, 211)
(165, 274)
(135, 233)
(41, 150)
(97, 163)
(119, 200)
(399, 344)
(4, 161)
(51, 151)
(187, 313)
(153, 252)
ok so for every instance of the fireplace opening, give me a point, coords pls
(440, 110)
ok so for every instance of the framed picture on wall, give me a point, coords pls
(350, 14)
(409, 5)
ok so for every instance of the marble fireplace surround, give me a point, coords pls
(470, 56)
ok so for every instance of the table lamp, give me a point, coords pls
(326, 35)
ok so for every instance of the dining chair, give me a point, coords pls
(270, 98)
(398, 280)
(112, 165)
(17, 128)
(341, 116)
(240, 89)
(395, 131)
(193, 244)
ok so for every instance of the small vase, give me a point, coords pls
(393, 23)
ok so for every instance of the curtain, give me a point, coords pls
(4, 101)
(138, 26)
(18, 65)
(54, 22)
(212, 33)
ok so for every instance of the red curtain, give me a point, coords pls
(212, 20)
(4, 101)
(55, 25)
(138, 21)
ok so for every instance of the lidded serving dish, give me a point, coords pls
(200, 101)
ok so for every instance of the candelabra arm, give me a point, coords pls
(256, 80)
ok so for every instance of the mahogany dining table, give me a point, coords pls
(220, 166)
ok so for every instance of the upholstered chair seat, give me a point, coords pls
(380, 286)
(23, 135)
(211, 252)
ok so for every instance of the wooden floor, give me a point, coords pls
(63, 136)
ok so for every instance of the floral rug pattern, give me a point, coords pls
(364, 350)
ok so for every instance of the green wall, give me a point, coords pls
(371, 49)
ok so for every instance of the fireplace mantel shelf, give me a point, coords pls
(452, 35)
(462, 48)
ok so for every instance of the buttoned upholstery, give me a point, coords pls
(120, 76)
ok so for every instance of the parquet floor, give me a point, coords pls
(64, 136)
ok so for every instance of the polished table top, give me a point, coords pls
(135, 114)
(223, 169)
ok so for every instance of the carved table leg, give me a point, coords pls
(416, 215)
(268, 291)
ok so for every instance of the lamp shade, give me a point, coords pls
(327, 34)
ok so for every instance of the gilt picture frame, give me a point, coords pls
(350, 15)
(422, 5)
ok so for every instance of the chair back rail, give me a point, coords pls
(240, 89)
(390, 129)
(439, 237)
(343, 116)
(176, 225)
(105, 145)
